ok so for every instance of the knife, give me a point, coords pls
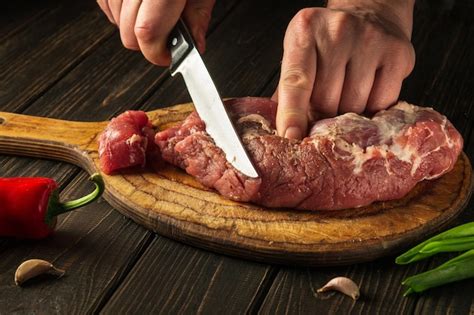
(185, 59)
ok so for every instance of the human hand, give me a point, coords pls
(146, 24)
(349, 57)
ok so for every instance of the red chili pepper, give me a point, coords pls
(29, 205)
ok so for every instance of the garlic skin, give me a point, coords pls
(35, 267)
(343, 285)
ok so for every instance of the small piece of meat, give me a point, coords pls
(128, 140)
(347, 161)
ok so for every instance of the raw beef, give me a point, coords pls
(127, 141)
(347, 161)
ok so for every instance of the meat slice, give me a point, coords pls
(128, 140)
(347, 161)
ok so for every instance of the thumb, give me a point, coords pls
(295, 87)
(197, 14)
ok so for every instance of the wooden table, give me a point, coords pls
(63, 59)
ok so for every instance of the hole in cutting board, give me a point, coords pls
(2, 120)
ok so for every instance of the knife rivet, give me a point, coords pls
(174, 41)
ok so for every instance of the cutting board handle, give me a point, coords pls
(68, 141)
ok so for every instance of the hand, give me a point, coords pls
(146, 24)
(344, 58)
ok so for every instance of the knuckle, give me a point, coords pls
(301, 27)
(339, 26)
(145, 32)
(372, 34)
(400, 59)
(304, 18)
(410, 59)
(296, 79)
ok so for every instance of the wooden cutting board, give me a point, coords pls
(175, 205)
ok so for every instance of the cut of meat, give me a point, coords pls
(347, 161)
(128, 140)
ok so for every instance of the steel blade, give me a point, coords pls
(212, 111)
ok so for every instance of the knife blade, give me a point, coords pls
(185, 59)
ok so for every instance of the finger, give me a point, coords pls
(197, 15)
(385, 90)
(128, 17)
(294, 92)
(357, 86)
(295, 87)
(155, 20)
(115, 8)
(327, 88)
(104, 6)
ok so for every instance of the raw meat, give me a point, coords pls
(346, 161)
(127, 141)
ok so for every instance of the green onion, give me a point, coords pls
(450, 245)
(459, 268)
(443, 240)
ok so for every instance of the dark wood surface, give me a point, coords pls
(63, 59)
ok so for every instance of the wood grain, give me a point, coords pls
(295, 290)
(25, 59)
(174, 204)
(187, 281)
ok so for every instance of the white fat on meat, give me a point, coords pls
(388, 130)
(136, 139)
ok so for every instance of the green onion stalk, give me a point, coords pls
(458, 239)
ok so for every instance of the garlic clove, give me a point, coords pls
(343, 285)
(35, 267)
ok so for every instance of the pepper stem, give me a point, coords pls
(56, 208)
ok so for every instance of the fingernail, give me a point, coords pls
(293, 133)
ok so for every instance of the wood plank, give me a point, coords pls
(294, 290)
(39, 55)
(17, 15)
(187, 280)
(434, 36)
(112, 79)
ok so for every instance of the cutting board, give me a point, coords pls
(175, 205)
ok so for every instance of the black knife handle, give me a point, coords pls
(180, 43)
